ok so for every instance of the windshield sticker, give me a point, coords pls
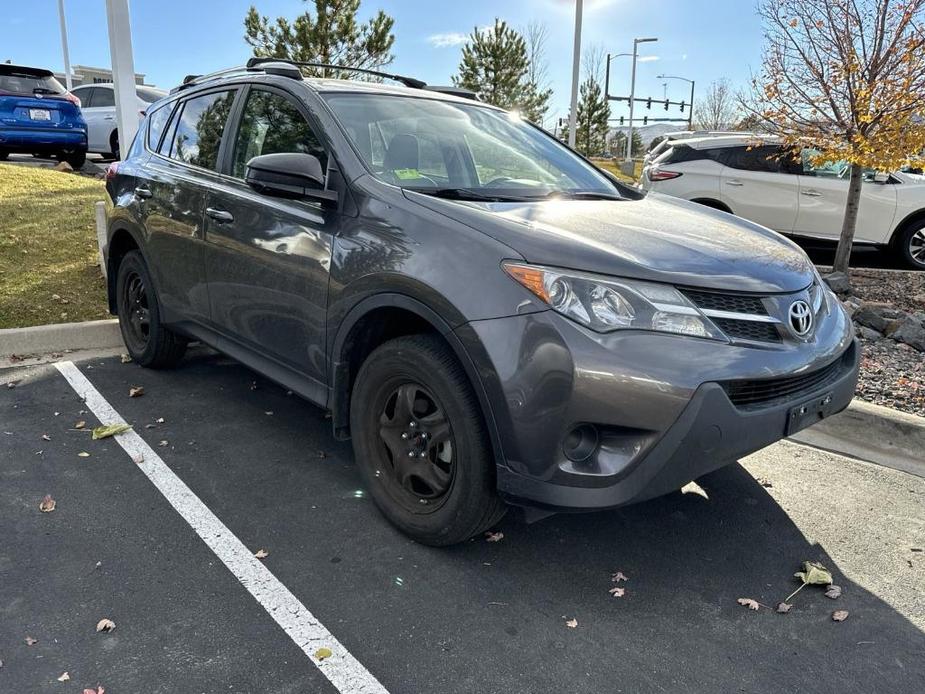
(406, 174)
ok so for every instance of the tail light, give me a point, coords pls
(661, 175)
(112, 170)
(73, 99)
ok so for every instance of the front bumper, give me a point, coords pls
(657, 401)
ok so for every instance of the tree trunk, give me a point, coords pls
(850, 221)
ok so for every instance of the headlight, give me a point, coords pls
(606, 304)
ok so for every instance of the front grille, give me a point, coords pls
(733, 303)
(748, 330)
(756, 393)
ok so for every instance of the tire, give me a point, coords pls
(148, 342)
(4, 155)
(445, 493)
(76, 159)
(114, 144)
(909, 245)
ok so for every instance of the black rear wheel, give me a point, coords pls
(148, 342)
(910, 245)
(420, 442)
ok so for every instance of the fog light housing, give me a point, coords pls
(580, 443)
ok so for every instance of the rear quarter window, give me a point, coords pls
(157, 121)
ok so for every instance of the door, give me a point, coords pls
(757, 184)
(268, 259)
(172, 188)
(824, 194)
(99, 110)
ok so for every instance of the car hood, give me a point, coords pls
(657, 238)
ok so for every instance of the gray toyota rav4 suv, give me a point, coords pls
(491, 319)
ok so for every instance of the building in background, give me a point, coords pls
(84, 74)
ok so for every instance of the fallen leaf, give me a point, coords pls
(839, 615)
(48, 504)
(814, 573)
(163, 443)
(784, 607)
(83, 454)
(617, 592)
(136, 391)
(617, 577)
(46, 437)
(764, 482)
(31, 641)
(105, 625)
(98, 690)
(749, 603)
(159, 420)
(833, 592)
(571, 623)
(323, 653)
(138, 458)
(125, 359)
(64, 677)
(494, 537)
(104, 432)
(80, 425)
(261, 553)
(269, 413)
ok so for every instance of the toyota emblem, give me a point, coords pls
(801, 318)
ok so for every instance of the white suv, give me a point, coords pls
(781, 189)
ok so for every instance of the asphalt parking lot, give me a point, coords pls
(481, 617)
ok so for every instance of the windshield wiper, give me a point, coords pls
(468, 194)
(581, 195)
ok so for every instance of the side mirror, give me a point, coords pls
(881, 177)
(289, 175)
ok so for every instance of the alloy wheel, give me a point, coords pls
(917, 246)
(137, 311)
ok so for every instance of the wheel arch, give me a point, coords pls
(713, 203)
(121, 242)
(907, 221)
(377, 319)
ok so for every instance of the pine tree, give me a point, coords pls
(495, 66)
(333, 36)
(591, 120)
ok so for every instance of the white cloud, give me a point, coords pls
(453, 38)
(648, 58)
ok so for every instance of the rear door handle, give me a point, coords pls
(143, 193)
(811, 193)
(109, 117)
(734, 182)
(219, 215)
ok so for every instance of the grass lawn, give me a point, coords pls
(613, 166)
(49, 270)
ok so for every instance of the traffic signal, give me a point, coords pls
(666, 104)
(621, 120)
(649, 102)
(645, 120)
(682, 107)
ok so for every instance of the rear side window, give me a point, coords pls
(13, 81)
(680, 153)
(102, 98)
(157, 121)
(271, 124)
(197, 135)
(766, 159)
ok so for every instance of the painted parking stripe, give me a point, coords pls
(343, 670)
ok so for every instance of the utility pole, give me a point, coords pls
(576, 60)
(67, 57)
(629, 139)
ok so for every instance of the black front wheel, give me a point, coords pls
(420, 442)
(148, 342)
(910, 246)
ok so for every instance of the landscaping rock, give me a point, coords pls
(64, 166)
(911, 331)
(881, 317)
(838, 282)
(869, 334)
(919, 300)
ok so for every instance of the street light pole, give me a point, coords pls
(629, 139)
(576, 60)
(67, 58)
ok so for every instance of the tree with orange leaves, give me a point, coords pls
(846, 78)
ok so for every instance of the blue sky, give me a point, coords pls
(698, 39)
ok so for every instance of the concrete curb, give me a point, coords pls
(44, 339)
(873, 433)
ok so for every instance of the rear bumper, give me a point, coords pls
(42, 140)
(710, 433)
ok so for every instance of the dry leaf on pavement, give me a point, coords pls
(105, 625)
(64, 677)
(159, 420)
(125, 359)
(323, 653)
(46, 437)
(48, 504)
(163, 443)
(571, 623)
(83, 454)
(749, 603)
(617, 592)
(814, 573)
(136, 391)
(617, 577)
(833, 592)
(839, 615)
(784, 608)
(98, 690)
(31, 641)
(138, 458)
(261, 553)
(80, 425)
(494, 537)
(104, 432)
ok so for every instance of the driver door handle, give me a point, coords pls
(734, 182)
(219, 215)
(811, 193)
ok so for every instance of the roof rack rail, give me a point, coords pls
(407, 81)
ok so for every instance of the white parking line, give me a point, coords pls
(343, 670)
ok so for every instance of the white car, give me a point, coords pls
(656, 149)
(766, 183)
(98, 106)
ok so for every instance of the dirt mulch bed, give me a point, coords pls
(904, 290)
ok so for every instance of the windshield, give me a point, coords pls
(461, 150)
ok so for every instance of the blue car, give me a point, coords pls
(38, 116)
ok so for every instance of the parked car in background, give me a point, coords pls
(98, 104)
(660, 144)
(782, 189)
(38, 116)
(487, 315)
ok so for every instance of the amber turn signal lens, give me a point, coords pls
(530, 277)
